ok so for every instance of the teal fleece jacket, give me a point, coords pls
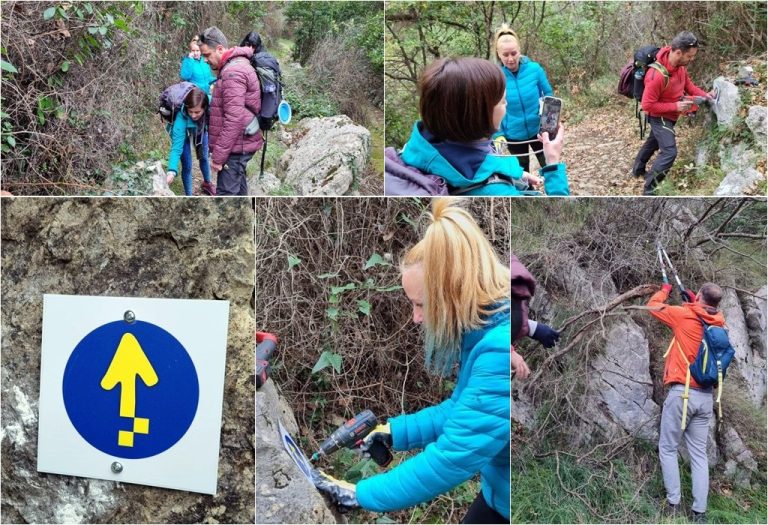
(183, 128)
(422, 155)
(198, 72)
(524, 89)
(465, 434)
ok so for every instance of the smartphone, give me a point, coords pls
(550, 115)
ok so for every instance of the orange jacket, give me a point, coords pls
(687, 330)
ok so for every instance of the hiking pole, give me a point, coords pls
(664, 277)
(683, 294)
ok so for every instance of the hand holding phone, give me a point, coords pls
(550, 115)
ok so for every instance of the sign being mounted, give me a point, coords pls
(131, 389)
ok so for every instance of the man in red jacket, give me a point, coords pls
(663, 105)
(236, 102)
(688, 332)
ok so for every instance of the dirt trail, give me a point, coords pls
(599, 150)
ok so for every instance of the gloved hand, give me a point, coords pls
(341, 493)
(380, 434)
(666, 287)
(691, 295)
(546, 335)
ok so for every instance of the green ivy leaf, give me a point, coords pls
(12, 141)
(7, 66)
(328, 359)
(336, 290)
(65, 66)
(332, 313)
(376, 260)
(48, 13)
(293, 261)
(364, 307)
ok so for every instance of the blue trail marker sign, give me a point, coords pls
(131, 389)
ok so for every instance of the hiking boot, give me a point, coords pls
(698, 517)
(642, 174)
(208, 188)
(672, 510)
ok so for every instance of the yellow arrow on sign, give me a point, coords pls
(129, 361)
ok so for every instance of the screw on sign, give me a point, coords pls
(130, 388)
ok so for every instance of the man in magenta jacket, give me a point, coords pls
(663, 105)
(236, 102)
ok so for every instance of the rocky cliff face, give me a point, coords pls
(123, 247)
(619, 400)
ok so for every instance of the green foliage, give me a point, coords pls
(375, 260)
(328, 358)
(360, 22)
(293, 261)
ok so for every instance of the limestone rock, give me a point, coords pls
(266, 185)
(622, 381)
(747, 364)
(754, 311)
(736, 157)
(159, 181)
(284, 495)
(330, 154)
(756, 122)
(728, 101)
(123, 247)
(739, 461)
(738, 183)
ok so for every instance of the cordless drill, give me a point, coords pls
(696, 102)
(266, 344)
(350, 435)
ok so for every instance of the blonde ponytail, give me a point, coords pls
(464, 280)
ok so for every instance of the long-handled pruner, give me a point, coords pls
(662, 252)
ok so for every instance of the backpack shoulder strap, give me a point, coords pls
(675, 342)
(661, 69)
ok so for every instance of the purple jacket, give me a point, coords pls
(236, 100)
(523, 288)
(403, 180)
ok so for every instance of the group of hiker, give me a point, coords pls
(218, 114)
(480, 120)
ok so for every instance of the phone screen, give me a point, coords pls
(550, 115)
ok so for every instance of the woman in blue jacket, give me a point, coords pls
(526, 84)
(190, 130)
(196, 70)
(459, 291)
(462, 103)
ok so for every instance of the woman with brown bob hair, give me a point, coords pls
(462, 102)
(190, 129)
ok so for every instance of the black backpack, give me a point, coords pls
(270, 80)
(632, 79)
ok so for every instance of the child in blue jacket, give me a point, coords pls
(466, 321)
(462, 104)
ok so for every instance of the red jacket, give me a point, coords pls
(659, 101)
(687, 330)
(236, 100)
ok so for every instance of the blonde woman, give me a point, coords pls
(459, 291)
(526, 84)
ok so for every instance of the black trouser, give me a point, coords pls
(522, 151)
(661, 137)
(232, 178)
(480, 512)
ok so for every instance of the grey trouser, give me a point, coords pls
(232, 178)
(662, 137)
(696, 432)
